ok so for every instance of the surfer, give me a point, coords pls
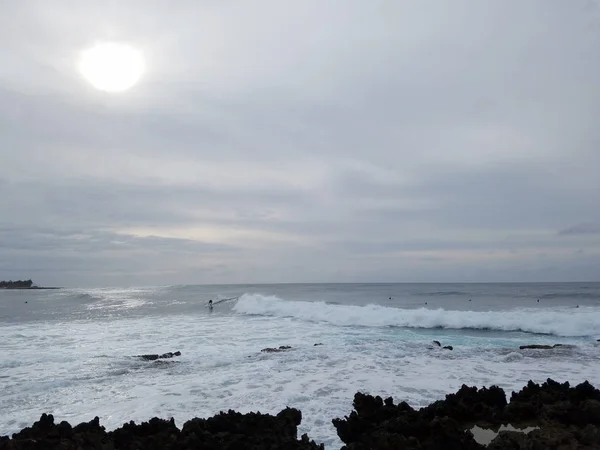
(210, 305)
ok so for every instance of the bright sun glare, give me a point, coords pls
(112, 67)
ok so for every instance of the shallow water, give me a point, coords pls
(68, 352)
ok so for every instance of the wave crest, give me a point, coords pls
(584, 321)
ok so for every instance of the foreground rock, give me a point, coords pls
(566, 417)
(228, 431)
(154, 357)
(559, 417)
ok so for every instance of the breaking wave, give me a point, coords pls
(584, 321)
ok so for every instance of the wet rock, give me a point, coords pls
(448, 347)
(535, 346)
(317, 344)
(564, 346)
(437, 343)
(154, 357)
(508, 440)
(548, 437)
(281, 348)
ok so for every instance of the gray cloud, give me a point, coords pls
(302, 142)
(581, 229)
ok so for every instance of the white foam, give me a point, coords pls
(584, 321)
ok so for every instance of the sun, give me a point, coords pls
(112, 67)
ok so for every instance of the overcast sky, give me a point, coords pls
(302, 141)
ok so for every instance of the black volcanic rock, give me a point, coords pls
(557, 402)
(228, 431)
(233, 430)
(470, 404)
(154, 357)
(536, 347)
(565, 417)
(281, 348)
(376, 424)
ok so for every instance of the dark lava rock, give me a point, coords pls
(376, 424)
(470, 405)
(44, 434)
(229, 431)
(233, 430)
(437, 343)
(566, 417)
(448, 347)
(154, 434)
(548, 437)
(282, 348)
(555, 402)
(546, 347)
(154, 357)
(539, 347)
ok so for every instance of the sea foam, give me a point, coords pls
(567, 322)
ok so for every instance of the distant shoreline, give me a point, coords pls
(32, 288)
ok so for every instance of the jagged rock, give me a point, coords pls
(470, 404)
(535, 346)
(557, 403)
(155, 433)
(282, 348)
(233, 430)
(44, 434)
(229, 431)
(154, 357)
(566, 417)
(376, 424)
(447, 347)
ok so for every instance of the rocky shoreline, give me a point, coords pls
(558, 416)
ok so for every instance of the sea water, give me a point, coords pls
(69, 352)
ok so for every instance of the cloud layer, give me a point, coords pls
(306, 141)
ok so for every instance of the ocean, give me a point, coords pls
(69, 352)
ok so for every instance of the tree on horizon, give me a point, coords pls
(18, 284)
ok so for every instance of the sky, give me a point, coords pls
(304, 141)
